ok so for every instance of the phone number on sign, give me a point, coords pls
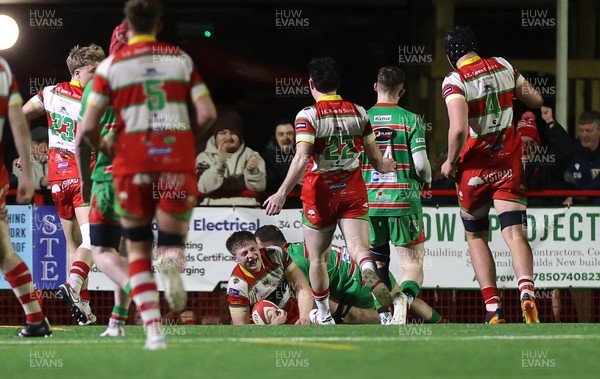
(567, 276)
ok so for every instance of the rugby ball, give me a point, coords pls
(264, 312)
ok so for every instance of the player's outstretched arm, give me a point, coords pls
(457, 134)
(275, 202)
(22, 135)
(303, 292)
(529, 96)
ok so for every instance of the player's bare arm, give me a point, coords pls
(206, 114)
(31, 112)
(240, 318)
(303, 293)
(529, 96)
(22, 136)
(379, 163)
(275, 202)
(457, 135)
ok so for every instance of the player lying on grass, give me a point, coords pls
(265, 274)
(351, 302)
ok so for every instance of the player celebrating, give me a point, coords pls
(351, 302)
(329, 137)
(150, 83)
(265, 274)
(16, 271)
(394, 198)
(105, 229)
(484, 157)
(61, 103)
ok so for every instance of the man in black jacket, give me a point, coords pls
(278, 155)
(584, 169)
(547, 152)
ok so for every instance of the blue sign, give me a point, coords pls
(19, 222)
(49, 249)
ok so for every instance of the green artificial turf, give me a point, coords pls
(341, 351)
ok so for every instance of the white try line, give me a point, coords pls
(176, 340)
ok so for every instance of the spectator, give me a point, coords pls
(278, 155)
(39, 159)
(544, 163)
(228, 166)
(584, 169)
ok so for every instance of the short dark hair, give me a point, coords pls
(590, 117)
(270, 233)
(325, 74)
(284, 121)
(390, 78)
(237, 238)
(143, 15)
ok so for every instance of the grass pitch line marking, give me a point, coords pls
(292, 342)
(288, 340)
(16, 328)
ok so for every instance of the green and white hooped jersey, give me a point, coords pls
(399, 134)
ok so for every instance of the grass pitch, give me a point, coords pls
(341, 351)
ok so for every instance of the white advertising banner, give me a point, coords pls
(564, 242)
